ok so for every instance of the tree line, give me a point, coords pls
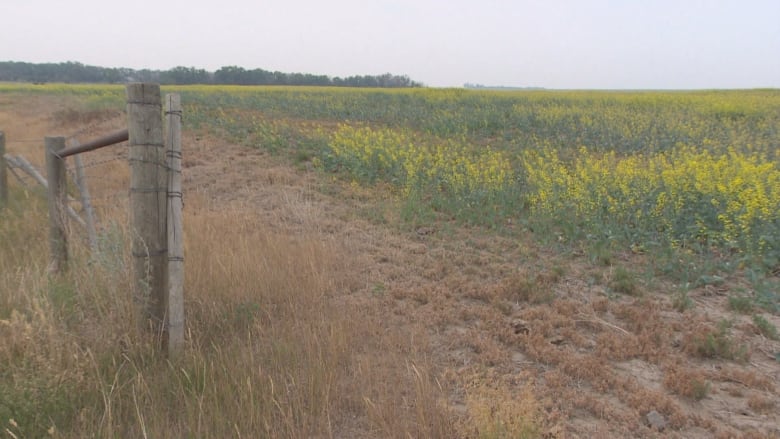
(74, 72)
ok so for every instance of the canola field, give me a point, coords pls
(694, 171)
(697, 171)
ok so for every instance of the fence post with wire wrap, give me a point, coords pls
(155, 205)
(148, 201)
(174, 333)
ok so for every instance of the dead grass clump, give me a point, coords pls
(600, 304)
(706, 341)
(618, 346)
(567, 308)
(589, 368)
(746, 377)
(531, 288)
(544, 320)
(408, 401)
(684, 381)
(496, 412)
(649, 332)
(761, 403)
(608, 408)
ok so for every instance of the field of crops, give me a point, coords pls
(695, 173)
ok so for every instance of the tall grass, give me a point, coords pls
(269, 354)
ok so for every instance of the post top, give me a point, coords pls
(143, 93)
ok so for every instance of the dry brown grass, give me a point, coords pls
(686, 381)
(269, 353)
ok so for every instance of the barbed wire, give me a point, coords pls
(95, 163)
(22, 177)
(114, 197)
(94, 126)
(88, 127)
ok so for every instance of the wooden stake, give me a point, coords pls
(55, 172)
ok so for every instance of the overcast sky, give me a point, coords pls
(604, 44)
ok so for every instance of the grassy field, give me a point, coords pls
(416, 263)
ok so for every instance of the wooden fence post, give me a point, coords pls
(148, 200)
(55, 173)
(175, 303)
(3, 173)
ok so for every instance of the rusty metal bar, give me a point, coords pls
(110, 139)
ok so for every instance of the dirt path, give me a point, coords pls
(506, 324)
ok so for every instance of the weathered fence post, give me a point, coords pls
(175, 304)
(148, 200)
(3, 173)
(55, 173)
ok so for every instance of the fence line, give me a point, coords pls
(155, 200)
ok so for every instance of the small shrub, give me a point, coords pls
(37, 405)
(766, 328)
(378, 289)
(624, 282)
(682, 301)
(716, 343)
(741, 304)
(534, 290)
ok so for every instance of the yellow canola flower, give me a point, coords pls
(685, 193)
(448, 167)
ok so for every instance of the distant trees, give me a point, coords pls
(240, 76)
(60, 72)
(73, 72)
(185, 75)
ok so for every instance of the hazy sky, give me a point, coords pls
(547, 43)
